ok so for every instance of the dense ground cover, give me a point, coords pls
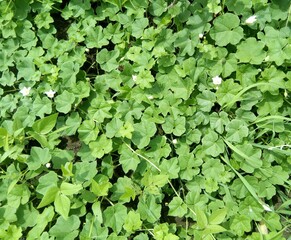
(136, 119)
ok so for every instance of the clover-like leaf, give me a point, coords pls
(66, 228)
(132, 222)
(251, 51)
(138, 26)
(248, 156)
(206, 100)
(241, 224)
(101, 146)
(88, 131)
(226, 30)
(38, 157)
(128, 159)
(236, 130)
(96, 38)
(174, 125)
(143, 131)
(64, 101)
(177, 207)
(114, 217)
(149, 209)
(107, 59)
(212, 144)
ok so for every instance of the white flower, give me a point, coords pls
(50, 93)
(175, 141)
(267, 207)
(217, 80)
(25, 91)
(150, 97)
(48, 165)
(251, 19)
(134, 77)
(200, 35)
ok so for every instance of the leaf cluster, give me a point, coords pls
(138, 141)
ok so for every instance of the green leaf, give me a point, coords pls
(107, 59)
(66, 229)
(46, 182)
(170, 167)
(239, 6)
(210, 229)
(123, 190)
(149, 209)
(48, 197)
(249, 157)
(64, 101)
(113, 127)
(96, 38)
(226, 30)
(85, 171)
(138, 26)
(213, 168)
(117, 3)
(4, 138)
(186, 42)
(46, 124)
(26, 69)
(206, 100)
(101, 146)
(12, 232)
(273, 222)
(126, 130)
(240, 224)
(143, 131)
(68, 73)
(132, 222)
(158, 7)
(202, 221)
(67, 169)
(69, 188)
(218, 216)
(114, 217)
(128, 159)
(42, 220)
(38, 157)
(275, 78)
(99, 109)
(177, 207)
(270, 104)
(237, 130)
(212, 144)
(158, 148)
(43, 20)
(245, 182)
(101, 185)
(144, 79)
(251, 51)
(96, 208)
(41, 106)
(8, 78)
(174, 125)
(88, 131)
(62, 205)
